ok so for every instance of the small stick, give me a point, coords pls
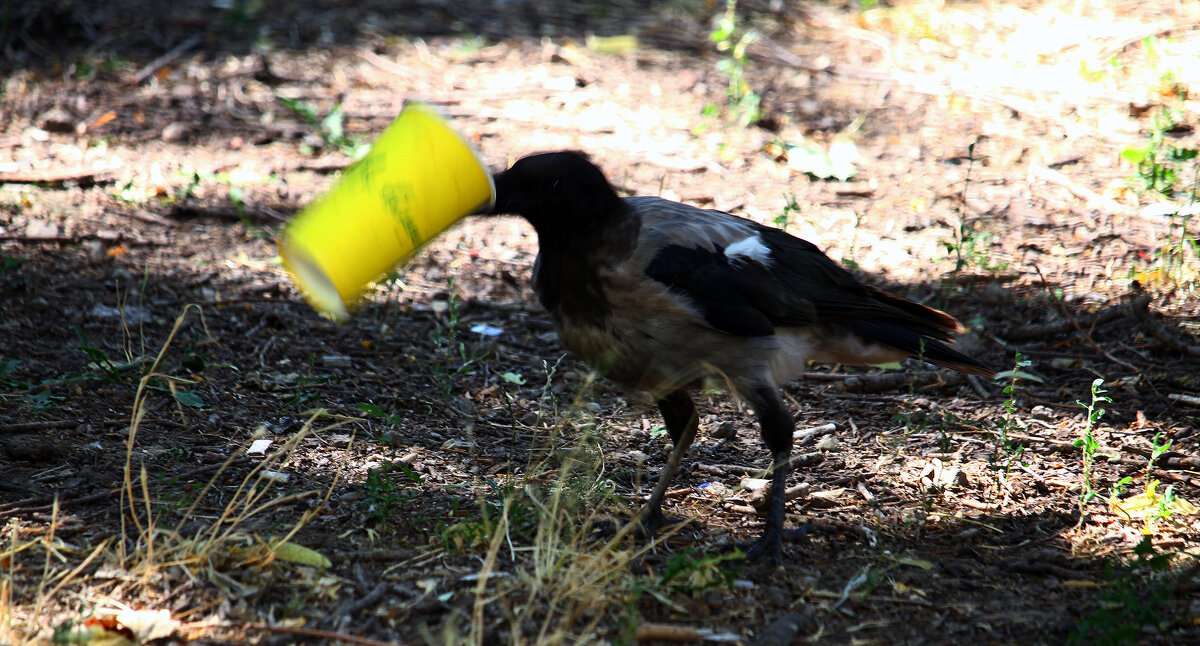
(88, 177)
(372, 596)
(1078, 190)
(1087, 336)
(324, 635)
(1027, 332)
(166, 59)
(1185, 399)
(1159, 331)
(667, 632)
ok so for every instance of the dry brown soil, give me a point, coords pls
(139, 203)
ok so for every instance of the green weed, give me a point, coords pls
(1009, 452)
(454, 358)
(970, 245)
(692, 572)
(791, 207)
(304, 393)
(1088, 442)
(11, 262)
(743, 104)
(1132, 601)
(515, 503)
(383, 489)
(239, 15)
(98, 358)
(330, 129)
(391, 419)
(1159, 166)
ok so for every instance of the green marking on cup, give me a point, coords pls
(398, 197)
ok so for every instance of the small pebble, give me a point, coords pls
(174, 131)
(724, 431)
(828, 443)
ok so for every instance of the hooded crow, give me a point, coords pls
(657, 295)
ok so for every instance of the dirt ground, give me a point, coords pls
(442, 473)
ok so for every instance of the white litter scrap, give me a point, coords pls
(484, 329)
(258, 447)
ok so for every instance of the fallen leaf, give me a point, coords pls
(293, 553)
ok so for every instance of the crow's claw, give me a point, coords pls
(769, 546)
(652, 520)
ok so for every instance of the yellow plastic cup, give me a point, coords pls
(420, 177)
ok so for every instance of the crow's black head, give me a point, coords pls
(555, 189)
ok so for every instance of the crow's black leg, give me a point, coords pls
(777, 426)
(679, 415)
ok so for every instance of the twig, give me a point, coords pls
(166, 59)
(148, 217)
(1027, 332)
(893, 380)
(352, 609)
(77, 238)
(977, 385)
(1041, 568)
(1078, 190)
(1185, 399)
(13, 511)
(1168, 460)
(1087, 336)
(1112, 49)
(325, 635)
(815, 430)
(667, 632)
(26, 427)
(45, 503)
(1159, 331)
(84, 177)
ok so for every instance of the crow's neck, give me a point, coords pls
(573, 251)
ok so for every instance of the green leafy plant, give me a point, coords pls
(1133, 600)
(1151, 505)
(11, 262)
(1157, 449)
(518, 507)
(970, 245)
(390, 419)
(1088, 442)
(330, 129)
(837, 161)
(304, 393)
(1180, 256)
(454, 358)
(743, 104)
(1159, 166)
(98, 358)
(692, 572)
(182, 395)
(1009, 452)
(383, 489)
(791, 207)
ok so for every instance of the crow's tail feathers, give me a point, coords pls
(919, 344)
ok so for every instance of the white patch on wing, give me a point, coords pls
(750, 248)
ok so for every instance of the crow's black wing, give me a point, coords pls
(740, 298)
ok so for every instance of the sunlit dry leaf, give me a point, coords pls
(293, 553)
(103, 119)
